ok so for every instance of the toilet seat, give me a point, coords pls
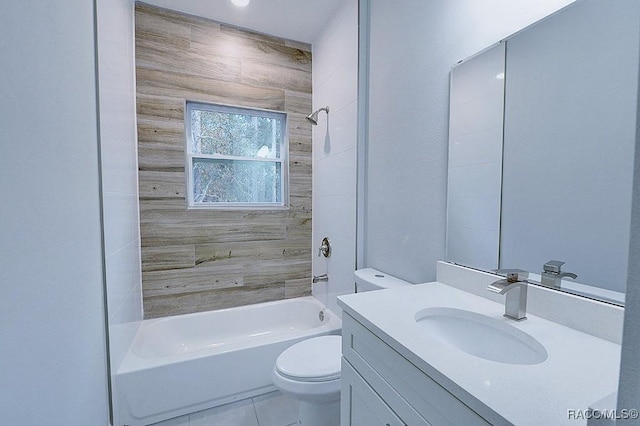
(312, 360)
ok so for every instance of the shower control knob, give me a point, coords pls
(325, 248)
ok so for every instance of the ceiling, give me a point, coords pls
(300, 20)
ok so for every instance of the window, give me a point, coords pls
(236, 157)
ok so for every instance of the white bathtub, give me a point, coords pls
(181, 364)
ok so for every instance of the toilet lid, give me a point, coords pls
(312, 360)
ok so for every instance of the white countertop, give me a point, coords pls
(580, 368)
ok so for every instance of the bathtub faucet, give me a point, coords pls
(323, 277)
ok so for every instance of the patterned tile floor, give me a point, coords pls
(272, 409)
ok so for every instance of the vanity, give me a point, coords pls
(407, 359)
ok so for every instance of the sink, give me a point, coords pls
(481, 336)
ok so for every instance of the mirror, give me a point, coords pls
(541, 146)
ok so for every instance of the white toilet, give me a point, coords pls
(309, 371)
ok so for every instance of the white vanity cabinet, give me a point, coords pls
(381, 387)
(361, 405)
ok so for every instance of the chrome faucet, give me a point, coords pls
(514, 286)
(325, 248)
(552, 275)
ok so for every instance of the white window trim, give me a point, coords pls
(283, 160)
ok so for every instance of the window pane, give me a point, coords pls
(237, 134)
(236, 181)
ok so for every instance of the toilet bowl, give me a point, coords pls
(309, 371)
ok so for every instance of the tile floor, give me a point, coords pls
(271, 409)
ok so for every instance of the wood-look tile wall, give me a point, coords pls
(197, 260)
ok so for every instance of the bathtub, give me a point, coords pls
(186, 363)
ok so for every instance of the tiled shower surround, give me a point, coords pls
(198, 260)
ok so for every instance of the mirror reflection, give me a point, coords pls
(541, 145)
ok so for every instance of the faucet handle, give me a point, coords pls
(513, 275)
(553, 266)
(325, 248)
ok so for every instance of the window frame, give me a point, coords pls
(190, 156)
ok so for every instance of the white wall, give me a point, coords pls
(119, 171)
(118, 148)
(413, 46)
(52, 332)
(335, 72)
(629, 387)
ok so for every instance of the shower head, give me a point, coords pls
(313, 117)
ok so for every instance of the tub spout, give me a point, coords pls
(318, 278)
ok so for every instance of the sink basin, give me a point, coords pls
(481, 336)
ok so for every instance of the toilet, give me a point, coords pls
(309, 371)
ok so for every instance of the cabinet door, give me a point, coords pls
(361, 405)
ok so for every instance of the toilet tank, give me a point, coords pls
(368, 279)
